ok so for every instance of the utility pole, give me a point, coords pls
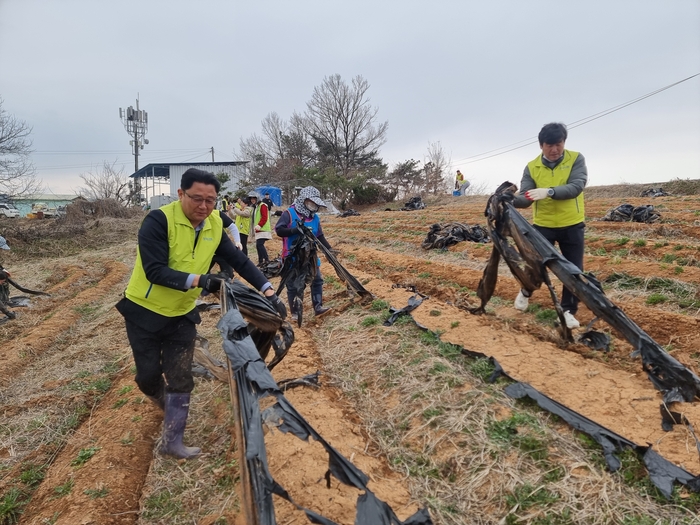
(212, 153)
(136, 124)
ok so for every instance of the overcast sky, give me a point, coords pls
(475, 76)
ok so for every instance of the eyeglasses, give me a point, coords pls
(199, 200)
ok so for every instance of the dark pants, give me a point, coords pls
(165, 355)
(262, 251)
(316, 289)
(570, 241)
(244, 243)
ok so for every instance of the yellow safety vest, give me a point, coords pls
(551, 213)
(184, 256)
(256, 219)
(243, 224)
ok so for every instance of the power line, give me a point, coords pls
(149, 160)
(575, 124)
(102, 152)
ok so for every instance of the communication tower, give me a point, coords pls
(136, 124)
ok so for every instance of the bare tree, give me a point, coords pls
(343, 124)
(17, 173)
(106, 183)
(279, 151)
(437, 165)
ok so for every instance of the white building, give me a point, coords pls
(161, 179)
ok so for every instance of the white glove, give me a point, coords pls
(537, 194)
(257, 228)
(239, 246)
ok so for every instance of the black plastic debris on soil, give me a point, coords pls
(654, 192)
(595, 340)
(629, 213)
(662, 472)
(301, 265)
(413, 303)
(441, 236)
(414, 203)
(254, 382)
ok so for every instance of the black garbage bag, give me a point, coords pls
(349, 213)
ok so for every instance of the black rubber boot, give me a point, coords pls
(177, 407)
(319, 309)
(296, 308)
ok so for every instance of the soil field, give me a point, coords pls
(78, 440)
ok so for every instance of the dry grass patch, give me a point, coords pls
(466, 448)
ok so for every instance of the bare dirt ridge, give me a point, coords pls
(77, 440)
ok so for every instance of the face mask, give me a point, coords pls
(311, 206)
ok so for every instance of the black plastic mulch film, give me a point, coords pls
(300, 266)
(255, 382)
(440, 236)
(675, 381)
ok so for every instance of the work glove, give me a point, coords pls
(257, 228)
(239, 246)
(210, 282)
(278, 304)
(537, 194)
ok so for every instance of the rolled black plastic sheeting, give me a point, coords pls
(267, 329)
(255, 382)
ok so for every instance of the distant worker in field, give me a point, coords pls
(226, 202)
(230, 226)
(268, 202)
(554, 182)
(304, 209)
(4, 276)
(241, 211)
(176, 244)
(260, 226)
(461, 183)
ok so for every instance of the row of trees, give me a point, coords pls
(334, 145)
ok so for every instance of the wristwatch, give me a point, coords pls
(550, 192)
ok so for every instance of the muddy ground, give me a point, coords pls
(77, 439)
